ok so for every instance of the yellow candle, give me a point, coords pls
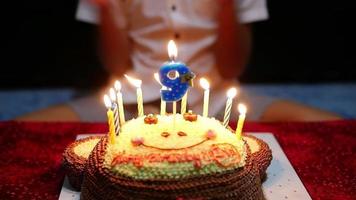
(240, 123)
(120, 102)
(137, 83)
(163, 103)
(139, 101)
(110, 115)
(231, 93)
(116, 120)
(115, 110)
(183, 103)
(205, 85)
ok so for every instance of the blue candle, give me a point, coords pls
(176, 77)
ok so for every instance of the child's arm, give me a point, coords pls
(233, 44)
(113, 40)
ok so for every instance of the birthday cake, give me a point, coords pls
(153, 158)
(171, 155)
(159, 157)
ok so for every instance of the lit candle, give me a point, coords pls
(137, 83)
(205, 85)
(163, 103)
(120, 102)
(110, 114)
(175, 76)
(115, 110)
(183, 103)
(231, 93)
(240, 123)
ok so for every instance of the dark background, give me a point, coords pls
(302, 42)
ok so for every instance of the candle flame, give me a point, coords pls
(242, 108)
(107, 101)
(231, 93)
(117, 85)
(135, 82)
(204, 83)
(172, 50)
(112, 94)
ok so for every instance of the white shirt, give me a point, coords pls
(191, 23)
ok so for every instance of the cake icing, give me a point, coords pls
(101, 184)
(174, 148)
(253, 144)
(85, 148)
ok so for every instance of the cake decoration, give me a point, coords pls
(181, 133)
(165, 134)
(137, 141)
(176, 77)
(151, 119)
(190, 116)
(205, 145)
(101, 183)
(210, 134)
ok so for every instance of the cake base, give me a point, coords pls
(101, 184)
(74, 164)
(261, 158)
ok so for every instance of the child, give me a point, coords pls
(213, 38)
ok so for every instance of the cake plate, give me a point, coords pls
(282, 181)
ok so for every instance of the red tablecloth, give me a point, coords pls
(323, 154)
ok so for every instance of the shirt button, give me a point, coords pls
(177, 35)
(174, 7)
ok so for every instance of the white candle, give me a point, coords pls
(231, 93)
(120, 102)
(240, 123)
(174, 114)
(137, 83)
(174, 107)
(163, 103)
(205, 85)
(115, 110)
(183, 103)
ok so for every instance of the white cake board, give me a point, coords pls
(282, 181)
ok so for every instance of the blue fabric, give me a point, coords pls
(339, 98)
(18, 102)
